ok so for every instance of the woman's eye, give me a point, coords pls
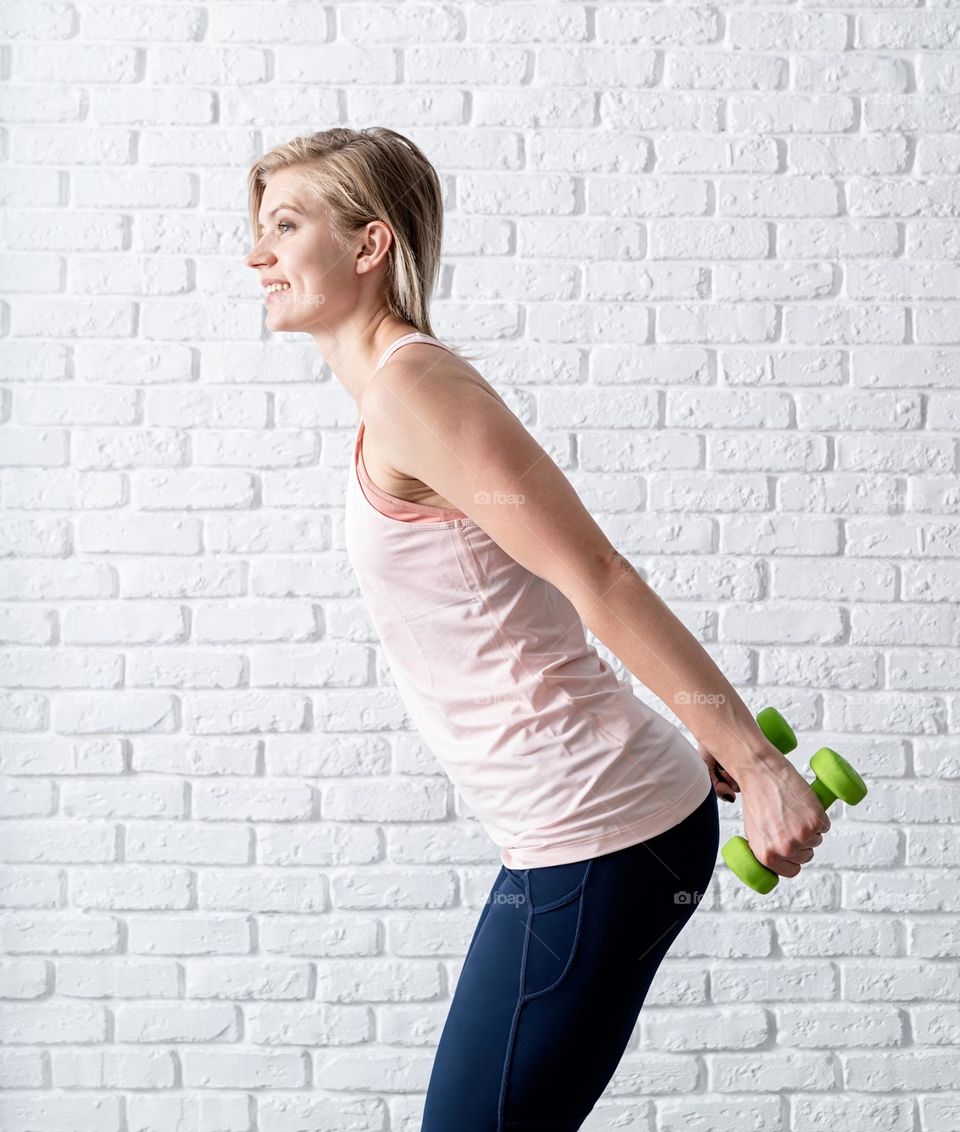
(284, 224)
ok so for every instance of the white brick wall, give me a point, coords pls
(711, 255)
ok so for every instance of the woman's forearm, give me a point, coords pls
(638, 627)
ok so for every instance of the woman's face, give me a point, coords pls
(297, 246)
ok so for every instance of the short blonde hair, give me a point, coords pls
(371, 174)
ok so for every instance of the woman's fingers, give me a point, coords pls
(725, 778)
(800, 857)
(722, 789)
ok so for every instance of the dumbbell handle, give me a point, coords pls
(823, 792)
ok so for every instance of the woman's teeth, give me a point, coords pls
(277, 287)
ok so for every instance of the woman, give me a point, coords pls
(481, 569)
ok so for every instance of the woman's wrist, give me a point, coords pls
(742, 748)
(757, 758)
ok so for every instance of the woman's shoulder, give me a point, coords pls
(431, 368)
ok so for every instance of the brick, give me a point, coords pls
(831, 1025)
(905, 1071)
(904, 980)
(854, 1114)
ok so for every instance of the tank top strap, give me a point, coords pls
(398, 342)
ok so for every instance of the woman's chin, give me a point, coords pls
(276, 311)
(283, 321)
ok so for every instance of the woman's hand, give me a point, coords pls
(783, 819)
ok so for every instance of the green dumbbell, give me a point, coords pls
(835, 778)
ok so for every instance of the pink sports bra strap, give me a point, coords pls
(402, 342)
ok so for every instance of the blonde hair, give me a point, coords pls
(364, 175)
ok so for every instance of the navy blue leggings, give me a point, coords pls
(559, 965)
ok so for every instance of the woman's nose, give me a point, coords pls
(253, 257)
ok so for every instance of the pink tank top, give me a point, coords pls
(556, 758)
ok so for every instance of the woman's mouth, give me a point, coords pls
(275, 293)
